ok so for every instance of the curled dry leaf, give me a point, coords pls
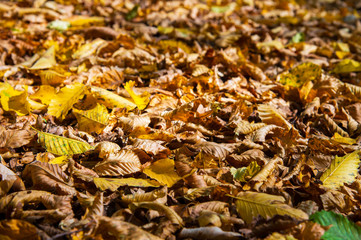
(168, 212)
(49, 177)
(118, 164)
(15, 138)
(8, 180)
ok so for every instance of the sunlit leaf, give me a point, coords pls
(93, 120)
(141, 100)
(88, 49)
(112, 100)
(46, 61)
(13, 100)
(45, 94)
(163, 171)
(83, 21)
(298, 37)
(61, 145)
(297, 76)
(252, 204)
(63, 101)
(51, 77)
(114, 183)
(343, 140)
(342, 170)
(347, 66)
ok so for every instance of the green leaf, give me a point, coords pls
(342, 228)
(61, 145)
(342, 170)
(245, 173)
(59, 25)
(132, 13)
(298, 37)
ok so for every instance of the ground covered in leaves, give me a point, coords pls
(180, 119)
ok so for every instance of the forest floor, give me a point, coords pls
(180, 119)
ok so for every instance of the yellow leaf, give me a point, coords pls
(252, 204)
(46, 61)
(88, 49)
(13, 100)
(51, 77)
(141, 100)
(64, 100)
(347, 66)
(163, 171)
(36, 105)
(59, 160)
(113, 183)
(93, 120)
(44, 94)
(344, 140)
(61, 145)
(297, 76)
(112, 100)
(82, 21)
(342, 170)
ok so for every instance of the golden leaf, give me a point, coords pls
(347, 66)
(114, 183)
(342, 170)
(141, 100)
(18, 229)
(61, 145)
(51, 77)
(299, 75)
(83, 21)
(163, 171)
(13, 100)
(112, 100)
(252, 204)
(245, 173)
(118, 164)
(65, 99)
(270, 115)
(45, 93)
(343, 140)
(93, 120)
(46, 61)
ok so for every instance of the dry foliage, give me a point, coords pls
(180, 119)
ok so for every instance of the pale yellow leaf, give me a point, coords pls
(252, 204)
(342, 170)
(114, 183)
(163, 171)
(46, 61)
(112, 100)
(88, 49)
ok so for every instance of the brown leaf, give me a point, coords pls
(15, 138)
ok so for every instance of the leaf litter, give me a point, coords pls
(180, 120)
